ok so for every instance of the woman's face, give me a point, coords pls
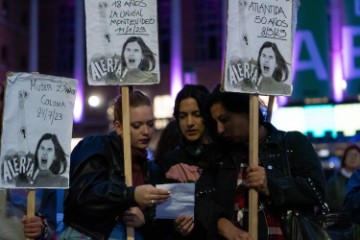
(267, 62)
(133, 55)
(233, 127)
(190, 120)
(141, 126)
(46, 154)
(352, 160)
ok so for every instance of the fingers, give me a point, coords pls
(179, 219)
(148, 195)
(256, 178)
(159, 197)
(32, 226)
(133, 217)
(132, 211)
(184, 225)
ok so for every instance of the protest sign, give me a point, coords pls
(259, 47)
(122, 42)
(37, 131)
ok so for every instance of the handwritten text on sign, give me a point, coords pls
(130, 21)
(50, 109)
(272, 18)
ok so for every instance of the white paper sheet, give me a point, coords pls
(181, 202)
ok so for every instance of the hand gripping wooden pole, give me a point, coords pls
(127, 147)
(253, 161)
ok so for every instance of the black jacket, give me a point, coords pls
(217, 185)
(98, 195)
(192, 155)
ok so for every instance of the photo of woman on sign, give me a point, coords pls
(49, 164)
(272, 70)
(137, 61)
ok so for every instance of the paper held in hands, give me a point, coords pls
(181, 202)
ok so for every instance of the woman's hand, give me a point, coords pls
(184, 225)
(148, 195)
(133, 217)
(32, 226)
(229, 231)
(256, 178)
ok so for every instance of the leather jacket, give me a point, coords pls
(217, 185)
(98, 196)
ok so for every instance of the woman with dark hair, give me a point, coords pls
(222, 190)
(136, 54)
(49, 154)
(49, 163)
(185, 162)
(336, 185)
(137, 61)
(272, 70)
(98, 204)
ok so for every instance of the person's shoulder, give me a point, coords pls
(92, 145)
(96, 141)
(356, 175)
(295, 135)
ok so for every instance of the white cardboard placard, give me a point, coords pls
(259, 46)
(122, 42)
(37, 131)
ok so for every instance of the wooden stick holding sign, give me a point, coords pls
(258, 62)
(127, 146)
(253, 161)
(30, 202)
(30, 205)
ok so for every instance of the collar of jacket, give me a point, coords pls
(274, 136)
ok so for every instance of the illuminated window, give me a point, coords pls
(347, 118)
(320, 120)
